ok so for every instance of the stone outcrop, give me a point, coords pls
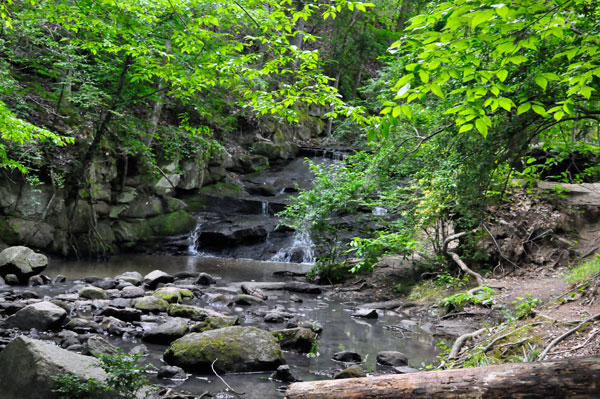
(28, 368)
(238, 349)
(21, 261)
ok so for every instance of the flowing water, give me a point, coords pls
(340, 330)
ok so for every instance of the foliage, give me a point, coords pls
(525, 307)
(585, 272)
(125, 378)
(481, 296)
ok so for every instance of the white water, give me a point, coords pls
(265, 208)
(193, 241)
(302, 244)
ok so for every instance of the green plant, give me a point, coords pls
(480, 296)
(314, 349)
(448, 281)
(73, 387)
(584, 272)
(524, 307)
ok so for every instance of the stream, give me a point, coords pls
(340, 330)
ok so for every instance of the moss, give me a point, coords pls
(8, 234)
(222, 189)
(151, 304)
(171, 224)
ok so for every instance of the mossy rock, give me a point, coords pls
(151, 304)
(171, 224)
(172, 294)
(92, 293)
(238, 349)
(214, 323)
(192, 312)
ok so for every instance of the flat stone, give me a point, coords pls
(365, 313)
(134, 278)
(297, 286)
(347, 357)
(247, 300)
(132, 292)
(41, 316)
(151, 304)
(167, 332)
(125, 314)
(392, 358)
(92, 293)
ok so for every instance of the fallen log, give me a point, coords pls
(565, 378)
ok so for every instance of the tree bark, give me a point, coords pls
(566, 378)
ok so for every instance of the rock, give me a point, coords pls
(257, 292)
(11, 279)
(392, 358)
(405, 370)
(81, 325)
(206, 279)
(354, 371)
(98, 346)
(192, 312)
(239, 349)
(151, 304)
(36, 281)
(139, 350)
(172, 294)
(185, 275)
(213, 323)
(298, 339)
(41, 316)
(28, 368)
(247, 300)
(59, 279)
(156, 277)
(113, 324)
(284, 374)
(167, 332)
(134, 278)
(63, 304)
(347, 357)
(171, 373)
(125, 314)
(296, 298)
(120, 303)
(277, 317)
(92, 293)
(297, 286)
(105, 283)
(22, 262)
(312, 325)
(132, 292)
(365, 313)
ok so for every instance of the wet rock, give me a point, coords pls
(284, 374)
(28, 368)
(113, 325)
(167, 332)
(27, 294)
(152, 279)
(257, 292)
(11, 308)
(63, 304)
(125, 314)
(405, 370)
(92, 293)
(120, 303)
(347, 357)
(134, 278)
(296, 298)
(247, 300)
(277, 317)
(132, 292)
(81, 325)
(98, 346)
(151, 304)
(312, 325)
(105, 284)
(298, 286)
(392, 358)
(239, 349)
(21, 261)
(41, 316)
(171, 373)
(192, 312)
(365, 313)
(172, 294)
(206, 279)
(387, 305)
(11, 279)
(185, 275)
(59, 279)
(354, 371)
(36, 281)
(214, 323)
(296, 339)
(139, 350)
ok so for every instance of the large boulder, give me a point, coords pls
(157, 277)
(238, 349)
(167, 332)
(298, 339)
(22, 262)
(151, 304)
(41, 316)
(28, 368)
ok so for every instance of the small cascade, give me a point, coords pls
(193, 241)
(265, 208)
(302, 250)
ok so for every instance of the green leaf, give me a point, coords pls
(386, 110)
(482, 127)
(559, 115)
(406, 111)
(396, 111)
(523, 108)
(541, 81)
(424, 76)
(502, 75)
(437, 90)
(538, 109)
(465, 128)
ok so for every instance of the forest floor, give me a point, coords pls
(532, 304)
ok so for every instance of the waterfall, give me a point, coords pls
(265, 208)
(302, 250)
(193, 241)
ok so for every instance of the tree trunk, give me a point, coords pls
(566, 378)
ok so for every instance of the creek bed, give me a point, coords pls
(340, 330)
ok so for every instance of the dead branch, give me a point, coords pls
(594, 332)
(458, 344)
(212, 366)
(568, 333)
(463, 266)
(500, 338)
